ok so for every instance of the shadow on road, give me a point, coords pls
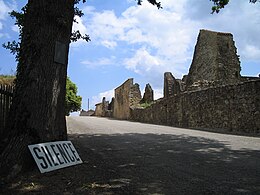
(169, 164)
(148, 164)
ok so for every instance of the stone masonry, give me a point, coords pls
(215, 60)
(148, 94)
(127, 96)
(168, 85)
(171, 85)
(230, 108)
(212, 96)
(101, 108)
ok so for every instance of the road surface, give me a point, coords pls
(136, 158)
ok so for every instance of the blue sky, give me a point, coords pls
(142, 42)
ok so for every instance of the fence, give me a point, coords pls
(6, 94)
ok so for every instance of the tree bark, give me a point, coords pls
(38, 110)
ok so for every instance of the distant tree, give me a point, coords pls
(38, 113)
(220, 4)
(72, 100)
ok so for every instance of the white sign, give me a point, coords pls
(54, 155)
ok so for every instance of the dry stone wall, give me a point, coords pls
(231, 108)
(148, 94)
(168, 89)
(121, 101)
(101, 108)
(127, 96)
(215, 59)
(212, 96)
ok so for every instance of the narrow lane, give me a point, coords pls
(150, 159)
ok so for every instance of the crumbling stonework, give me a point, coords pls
(86, 113)
(148, 94)
(230, 108)
(215, 60)
(135, 95)
(127, 96)
(101, 108)
(212, 96)
(171, 85)
(111, 104)
(168, 85)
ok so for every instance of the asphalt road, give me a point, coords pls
(136, 158)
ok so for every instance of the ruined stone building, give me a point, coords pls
(101, 108)
(212, 96)
(215, 59)
(148, 95)
(126, 96)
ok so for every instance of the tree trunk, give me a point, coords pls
(38, 110)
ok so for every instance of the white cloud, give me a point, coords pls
(99, 62)
(79, 26)
(107, 94)
(5, 8)
(15, 28)
(109, 44)
(251, 52)
(155, 41)
(164, 32)
(142, 61)
(242, 19)
(158, 93)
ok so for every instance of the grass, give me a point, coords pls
(146, 105)
(7, 79)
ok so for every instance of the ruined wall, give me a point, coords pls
(233, 108)
(148, 94)
(212, 96)
(172, 86)
(215, 59)
(101, 108)
(168, 89)
(98, 109)
(87, 113)
(127, 95)
(134, 95)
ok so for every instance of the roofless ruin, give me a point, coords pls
(212, 96)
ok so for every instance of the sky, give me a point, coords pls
(142, 42)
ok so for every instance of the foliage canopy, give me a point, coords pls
(72, 100)
(220, 4)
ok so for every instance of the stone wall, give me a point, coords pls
(101, 108)
(134, 95)
(215, 59)
(87, 113)
(172, 86)
(127, 96)
(98, 109)
(233, 108)
(212, 96)
(148, 94)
